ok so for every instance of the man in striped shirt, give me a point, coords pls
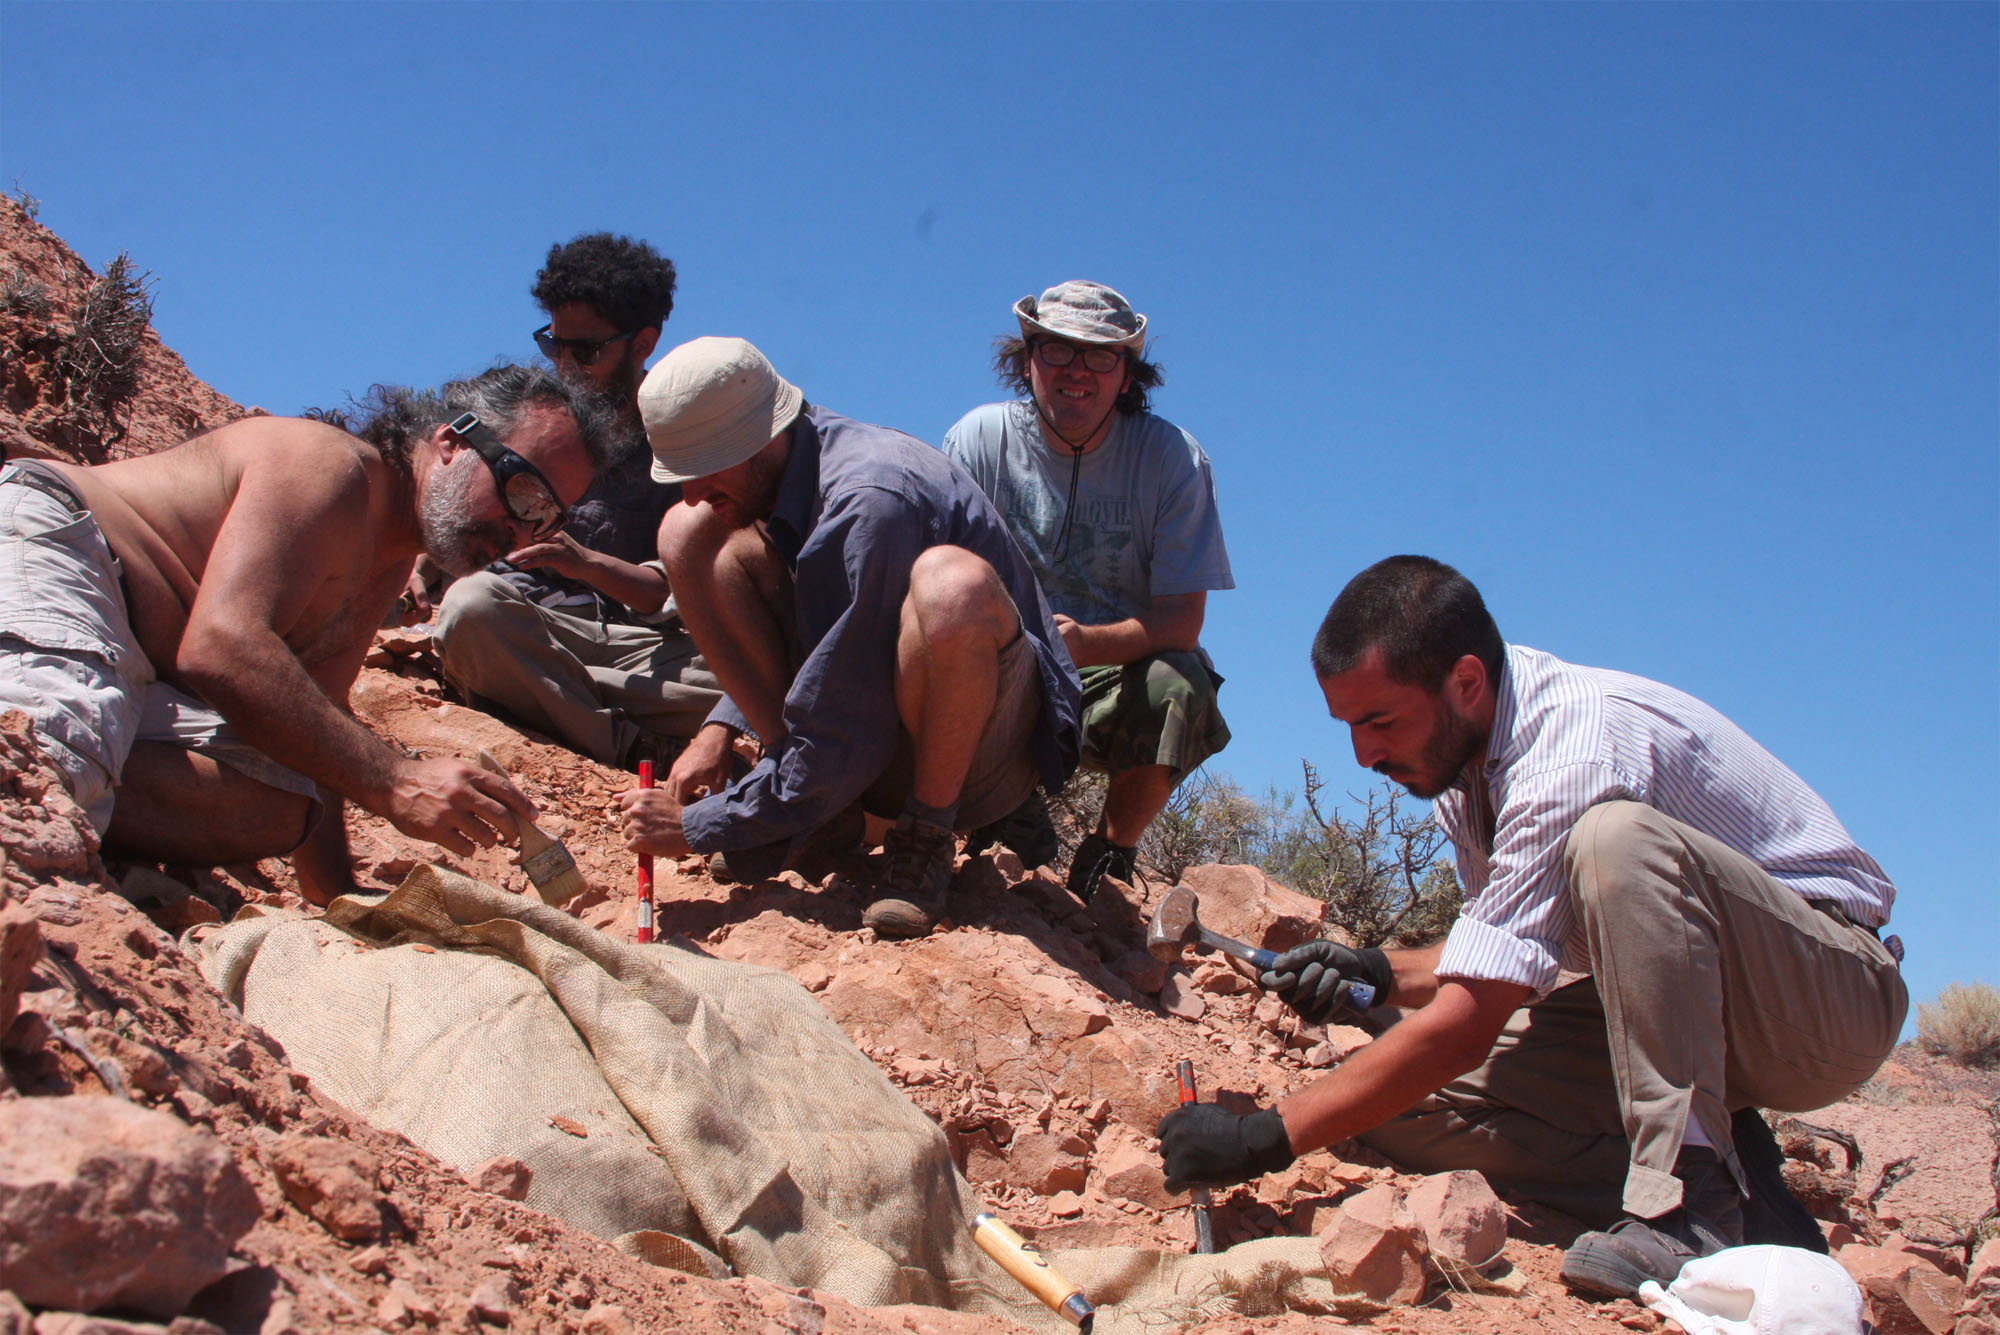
(1664, 930)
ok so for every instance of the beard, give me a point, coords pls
(1454, 744)
(460, 544)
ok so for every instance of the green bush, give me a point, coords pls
(1963, 1024)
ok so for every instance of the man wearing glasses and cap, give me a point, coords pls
(1116, 511)
(873, 625)
(183, 628)
(576, 635)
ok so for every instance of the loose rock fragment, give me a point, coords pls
(332, 1181)
(106, 1204)
(1375, 1248)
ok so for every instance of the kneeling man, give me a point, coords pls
(184, 628)
(1605, 825)
(871, 622)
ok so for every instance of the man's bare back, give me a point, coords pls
(335, 574)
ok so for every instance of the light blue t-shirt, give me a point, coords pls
(1145, 523)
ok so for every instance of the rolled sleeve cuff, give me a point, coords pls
(1476, 949)
(703, 822)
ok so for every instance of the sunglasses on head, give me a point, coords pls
(1055, 356)
(523, 490)
(582, 351)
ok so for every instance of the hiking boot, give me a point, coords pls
(1771, 1213)
(1095, 858)
(910, 896)
(1026, 829)
(1615, 1262)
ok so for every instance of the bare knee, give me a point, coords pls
(691, 538)
(955, 594)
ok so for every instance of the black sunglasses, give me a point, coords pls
(583, 351)
(1055, 355)
(523, 490)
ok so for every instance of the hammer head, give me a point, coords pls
(1175, 924)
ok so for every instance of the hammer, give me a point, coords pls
(1176, 925)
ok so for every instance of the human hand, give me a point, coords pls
(1205, 1145)
(455, 804)
(653, 823)
(702, 768)
(1072, 635)
(561, 553)
(1321, 978)
(413, 604)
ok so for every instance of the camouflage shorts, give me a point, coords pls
(1157, 711)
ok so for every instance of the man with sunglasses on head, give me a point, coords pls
(873, 623)
(1116, 511)
(576, 635)
(183, 628)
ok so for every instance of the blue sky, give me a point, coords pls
(1676, 326)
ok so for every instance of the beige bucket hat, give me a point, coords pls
(1082, 312)
(710, 404)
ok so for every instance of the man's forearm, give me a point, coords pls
(254, 681)
(638, 587)
(1416, 1057)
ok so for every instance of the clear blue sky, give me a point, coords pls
(1676, 327)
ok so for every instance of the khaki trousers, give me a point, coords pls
(1713, 987)
(593, 685)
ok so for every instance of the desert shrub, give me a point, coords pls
(1207, 819)
(1380, 870)
(1963, 1024)
(29, 204)
(100, 357)
(24, 295)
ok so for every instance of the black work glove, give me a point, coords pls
(1204, 1145)
(1317, 979)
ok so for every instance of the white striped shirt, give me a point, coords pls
(1566, 738)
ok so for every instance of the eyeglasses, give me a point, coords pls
(583, 351)
(523, 490)
(1055, 356)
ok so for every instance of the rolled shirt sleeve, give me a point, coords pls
(1518, 919)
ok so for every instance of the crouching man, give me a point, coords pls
(184, 628)
(871, 622)
(1607, 825)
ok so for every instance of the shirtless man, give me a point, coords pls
(184, 628)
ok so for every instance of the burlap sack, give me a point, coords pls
(726, 1120)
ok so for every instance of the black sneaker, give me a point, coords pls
(1095, 858)
(1615, 1262)
(910, 895)
(1026, 829)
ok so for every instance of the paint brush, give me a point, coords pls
(549, 867)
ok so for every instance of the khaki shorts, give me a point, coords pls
(69, 659)
(1002, 773)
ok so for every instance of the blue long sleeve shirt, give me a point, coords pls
(856, 506)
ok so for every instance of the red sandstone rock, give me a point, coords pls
(334, 1182)
(1374, 1247)
(20, 952)
(1463, 1221)
(1129, 1169)
(503, 1175)
(106, 1204)
(1907, 1295)
(1245, 903)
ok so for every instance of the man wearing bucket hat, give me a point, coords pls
(871, 622)
(1116, 511)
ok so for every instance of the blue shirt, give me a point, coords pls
(1566, 738)
(856, 506)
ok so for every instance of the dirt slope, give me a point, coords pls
(1036, 1031)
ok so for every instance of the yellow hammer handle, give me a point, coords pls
(1025, 1262)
